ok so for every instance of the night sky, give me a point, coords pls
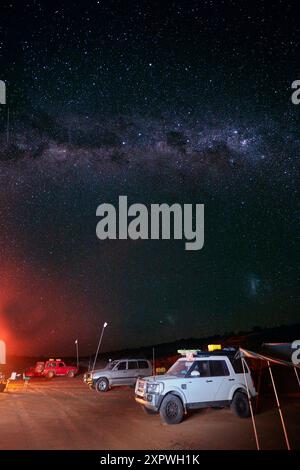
(186, 102)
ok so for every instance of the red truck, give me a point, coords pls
(51, 368)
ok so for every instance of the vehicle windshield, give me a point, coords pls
(180, 368)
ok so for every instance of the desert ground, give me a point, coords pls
(65, 414)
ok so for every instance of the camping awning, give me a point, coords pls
(273, 348)
(267, 357)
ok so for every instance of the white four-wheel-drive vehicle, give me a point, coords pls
(119, 372)
(197, 380)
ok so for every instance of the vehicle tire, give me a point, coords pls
(171, 410)
(71, 374)
(102, 385)
(148, 411)
(240, 405)
(50, 374)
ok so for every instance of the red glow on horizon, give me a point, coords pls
(38, 316)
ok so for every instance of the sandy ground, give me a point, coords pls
(65, 414)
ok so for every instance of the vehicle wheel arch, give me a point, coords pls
(238, 388)
(240, 403)
(178, 394)
(172, 409)
(102, 378)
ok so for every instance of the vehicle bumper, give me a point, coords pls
(89, 380)
(151, 401)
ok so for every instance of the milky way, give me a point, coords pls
(102, 105)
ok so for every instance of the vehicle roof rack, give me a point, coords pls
(229, 351)
(189, 352)
(130, 359)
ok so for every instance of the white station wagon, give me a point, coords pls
(119, 372)
(197, 380)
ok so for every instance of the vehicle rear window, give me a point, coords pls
(143, 364)
(237, 365)
(218, 368)
(132, 365)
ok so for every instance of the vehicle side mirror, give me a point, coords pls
(195, 373)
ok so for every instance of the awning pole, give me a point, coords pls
(279, 409)
(295, 369)
(258, 386)
(250, 405)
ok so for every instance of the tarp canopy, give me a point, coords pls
(264, 356)
(270, 354)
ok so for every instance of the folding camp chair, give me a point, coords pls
(12, 378)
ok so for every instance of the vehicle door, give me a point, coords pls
(50, 366)
(201, 388)
(222, 378)
(119, 373)
(132, 372)
(61, 368)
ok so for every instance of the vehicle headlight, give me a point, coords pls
(154, 387)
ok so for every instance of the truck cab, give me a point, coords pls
(52, 368)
